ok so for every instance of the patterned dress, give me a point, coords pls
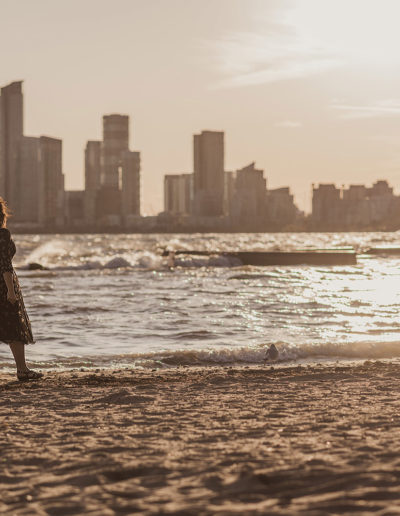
(14, 321)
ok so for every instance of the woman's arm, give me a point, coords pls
(6, 267)
(8, 278)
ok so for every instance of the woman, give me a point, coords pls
(15, 328)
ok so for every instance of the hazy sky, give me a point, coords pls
(308, 89)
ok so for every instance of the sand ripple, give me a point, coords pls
(203, 441)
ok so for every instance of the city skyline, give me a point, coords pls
(280, 83)
(208, 199)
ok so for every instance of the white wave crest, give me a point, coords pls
(288, 353)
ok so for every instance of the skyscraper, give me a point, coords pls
(115, 142)
(112, 175)
(229, 191)
(92, 180)
(280, 207)
(178, 193)
(130, 191)
(28, 166)
(11, 131)
(208, 166)
(92, 165)
(250, 192)
(51, 182)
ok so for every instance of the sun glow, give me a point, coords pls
(362, 31)
(309, 37)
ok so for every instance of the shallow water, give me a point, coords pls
(112, 300)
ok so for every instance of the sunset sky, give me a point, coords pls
(308, 89)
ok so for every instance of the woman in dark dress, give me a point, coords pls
(15, 328)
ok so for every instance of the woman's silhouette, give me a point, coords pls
(15, 328)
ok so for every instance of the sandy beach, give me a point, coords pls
(315, 440)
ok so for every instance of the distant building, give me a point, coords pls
(356, 207)
(11, 132)
(40, 182)
(208, 166)
(75, 207)
(112, 176)
(281, 210)
(130, 184)
(31, 177)
(92, 165)
(51, 183)
(28, 175)
(326, 206)
(92, 179)
(171, 193)
(108, 206)
(381, 199)
(229, 192)
(355, 193)
(249, 196)
(115, 142)
(178, 194)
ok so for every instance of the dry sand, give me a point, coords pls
(200, 441)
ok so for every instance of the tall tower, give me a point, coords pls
(29, 167)
(130, 192)
(178, 193)
(51, 182)
(208, 167)
(11, 131)
(115, 142)
(92, 179)
(92, 165)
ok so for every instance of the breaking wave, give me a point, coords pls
(288, 353)
(145, 260)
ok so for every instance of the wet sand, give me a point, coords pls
(202, 441)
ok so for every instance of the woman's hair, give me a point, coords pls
(4, 213)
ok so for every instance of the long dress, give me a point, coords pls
(14, 321)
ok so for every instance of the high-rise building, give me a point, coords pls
(229, 192)
(130, 187)
(208, 165)
(178, 193)
(92, 165)
(250, 191)
(92, 179)
(115, 142)
(380, 199)
(108, 206)
(112, 175)
(171, 193)
(51, 183)
(280, 207)
(11, 131)
(28, 174)
(75, 207)
(40, 181)
(326, 206)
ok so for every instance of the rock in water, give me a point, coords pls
(272, 353)
(36, 267)
(117, 262)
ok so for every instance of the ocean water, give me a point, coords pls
(113, 300)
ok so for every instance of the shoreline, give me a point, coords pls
(88, 365)
(180, 231)
(304, 439)
(135, 374)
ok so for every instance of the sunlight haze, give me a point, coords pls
(308, 89)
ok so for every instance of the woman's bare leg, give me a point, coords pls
(18, 350)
